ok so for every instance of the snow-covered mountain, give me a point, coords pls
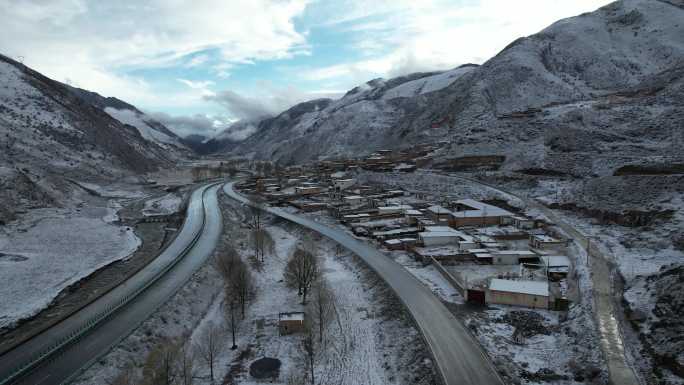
(149, 128)
(587, 95)
(51, 134)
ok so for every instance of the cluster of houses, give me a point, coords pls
(446, 234)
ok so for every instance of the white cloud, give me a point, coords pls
(404, 36)
(199, 124)
(201, 85)
(93, 42)
(271, 101)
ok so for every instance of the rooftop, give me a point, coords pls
(525, 287)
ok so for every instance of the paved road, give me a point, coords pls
(460, 359)
(619, 369)
(196, 241)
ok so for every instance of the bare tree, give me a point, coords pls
(224, 262)
(321, 309)
(262, 242)
(210, 345)
(160, 368)
(301, 271)
(255, 211)
(231, 319)
(241, 285)
(185, 364)
(310, 349)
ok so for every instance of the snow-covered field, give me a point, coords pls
(164, 205)
(366, 346)
(51, 249)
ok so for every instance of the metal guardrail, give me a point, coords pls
(94, 321)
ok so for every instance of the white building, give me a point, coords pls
(511, 257)
(534, 294)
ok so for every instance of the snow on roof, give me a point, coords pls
(437, 209)
(395, 232)
(351, 197)
(441, 229)
(398, 207)
(413, 212)
(556, 260)
(545, 238)
(525, 287)
(513, 252)
(480, 209)
(293, 316)
(444, 250)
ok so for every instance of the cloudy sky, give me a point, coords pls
(202, 61)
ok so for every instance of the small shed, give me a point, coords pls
(523, 223)
(512, 257)
(533, 294)
(291, 322)
(545, 242)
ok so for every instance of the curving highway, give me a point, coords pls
(459, 357)
(60, 353)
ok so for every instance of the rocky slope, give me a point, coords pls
(52, 134)
(587, 95)
(149, 128)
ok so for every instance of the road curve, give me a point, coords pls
(459, 357)
(136, 298)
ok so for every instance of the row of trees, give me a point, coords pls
(303, 273)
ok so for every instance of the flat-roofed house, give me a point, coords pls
(398, 209)
(533, 294)
(439, 235)
(308, 190)
(438, 214)
(512, 257)
(291, 322)
(523, 223)
(546, 242)
(469, 212)
(344, 184)
(557, 266)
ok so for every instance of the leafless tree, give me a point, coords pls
(301, 271)
(255, 212)
(321, 309)
(185, 364)
(233, 322)
(160, 365)
(210, 345)
(224, 262)
(241, 285)
(262, 242)
(310, 349)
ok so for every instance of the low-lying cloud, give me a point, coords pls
(273, 101)
(188, 125)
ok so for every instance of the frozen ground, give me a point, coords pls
(52, 248)
(372, 343)
(165, 205)
(636, 251)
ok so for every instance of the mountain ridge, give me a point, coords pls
(520, 103)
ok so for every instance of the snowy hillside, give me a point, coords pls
(427, 84)
(149, 128)
(606, 84)
(50, 135)
(142, 123)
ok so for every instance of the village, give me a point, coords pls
(488, 253)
